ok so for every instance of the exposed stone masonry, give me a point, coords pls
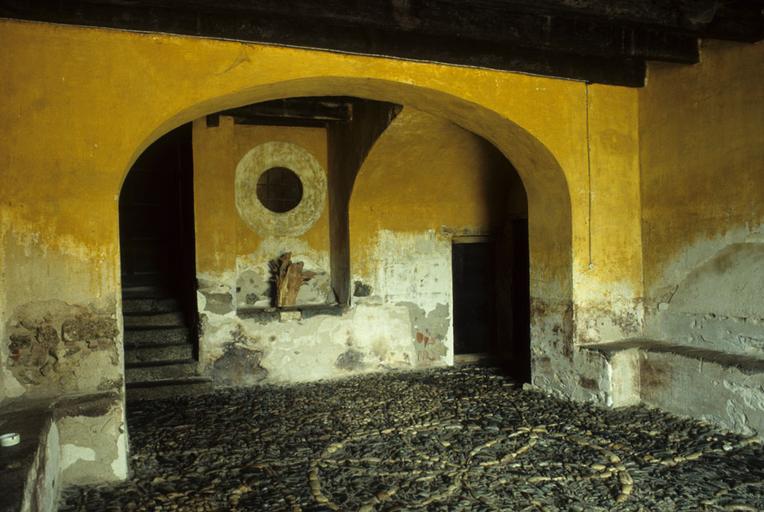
(461, 438)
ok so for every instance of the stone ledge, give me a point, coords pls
(20, 465)
(723, 388)
(744, 363)
(33, 471)
(272, 314)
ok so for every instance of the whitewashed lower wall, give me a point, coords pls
(402, 318)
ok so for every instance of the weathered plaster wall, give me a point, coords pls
(76, 114)
(401, 314)
(93, 439)
(702, 159)
(728, 396)
(232, 255)
(424, 181)
(56, 338)
(349, 143)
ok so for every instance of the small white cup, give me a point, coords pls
(10, 439)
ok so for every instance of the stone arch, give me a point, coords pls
(550, 220)
(549, 203)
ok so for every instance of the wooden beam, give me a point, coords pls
(317, 109)
(605, 41)
(207, 19)
(738, 21)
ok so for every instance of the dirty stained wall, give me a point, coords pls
(237, 237)
(400, 253)
(703, 199)
(425, 181)
(232, 255)
(702, 187)
(58, 203)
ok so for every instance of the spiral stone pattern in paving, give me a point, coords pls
(462, 438)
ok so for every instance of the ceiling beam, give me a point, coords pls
(604, 41)
(305, 111)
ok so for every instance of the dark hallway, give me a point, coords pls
(158, 264)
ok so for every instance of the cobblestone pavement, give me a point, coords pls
(451, 439)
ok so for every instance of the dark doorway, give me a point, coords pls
(474, 296)
(156, 218)
(158, 262)
(513, 300)
(491, 290)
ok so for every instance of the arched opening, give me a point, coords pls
(156, 228)
(225, 293)
(438, 221)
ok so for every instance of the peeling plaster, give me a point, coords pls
(720, 394)
(71, 454)
(717, 303)
(120, 465)
(403, 325)
(253, 274)
(94, 443)
(56, 347)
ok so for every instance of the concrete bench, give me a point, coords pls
(46, 460)
(722, 388)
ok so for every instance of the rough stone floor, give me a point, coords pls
(452, 439)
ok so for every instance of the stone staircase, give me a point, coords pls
(160, 358)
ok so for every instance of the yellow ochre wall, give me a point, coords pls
(702, 187)
(221, 234)
(80, 104)
(426, 173)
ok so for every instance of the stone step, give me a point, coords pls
(145, 292)
(157, 336)
(179, 352)
(159, 370)
(173, 319)
(168, 388)
(144, 279)
(145, 306)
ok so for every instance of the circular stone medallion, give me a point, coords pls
(266, 157)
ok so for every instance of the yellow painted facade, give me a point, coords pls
(426, 173)
(604, 168)
(702, 158)
(221, 233)
(108, 94)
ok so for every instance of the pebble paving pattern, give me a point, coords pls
(462, 438)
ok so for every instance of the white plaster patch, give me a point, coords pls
(72, 453)
(52, 486)
(416, 268)
(119, 465)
